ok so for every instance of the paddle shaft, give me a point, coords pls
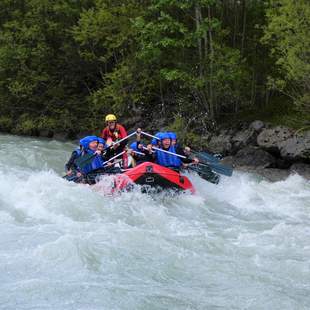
(167, 152)
(121, 140)
(149, 135)
(112, 158)
(139, 153)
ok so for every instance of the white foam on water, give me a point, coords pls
(242, 244)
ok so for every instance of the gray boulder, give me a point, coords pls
(270, 174)
(221, 143)
(273, 174)
(297, 147)
(242, 139)
(253, 157)
(257, 126)
(302, 169)
(271, 139)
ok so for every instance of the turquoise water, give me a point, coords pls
(243, 244)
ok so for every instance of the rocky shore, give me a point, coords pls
(272, 152)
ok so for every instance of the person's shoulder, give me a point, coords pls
(120, 126)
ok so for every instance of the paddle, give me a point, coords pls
(205, 172)
(149, 135)
(214, 163)
(112, 158)
(139, 153)
(218, 168)
(206, 156)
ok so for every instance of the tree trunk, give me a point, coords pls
(211, 100)
(243, 26)
(199, 43)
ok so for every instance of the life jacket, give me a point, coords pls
(94, 164)
(78, 152)
(168, 160)
(111, 136)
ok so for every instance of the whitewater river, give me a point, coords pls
(244, 244)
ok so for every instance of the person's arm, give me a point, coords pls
(104, 133)
(109, 153)
(71, 162)
(149, 153)
(179, 150)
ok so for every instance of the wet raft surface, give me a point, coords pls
(243, 244)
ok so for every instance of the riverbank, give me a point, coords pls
(273, 152)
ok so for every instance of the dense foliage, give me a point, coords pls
(189, 64)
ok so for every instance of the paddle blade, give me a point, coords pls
(205, 156)
(206, 173)
(219, 168)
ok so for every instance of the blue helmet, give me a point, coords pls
(102, 141)
(134, 146)
(173, 135)
(165, 135)
(86, 140)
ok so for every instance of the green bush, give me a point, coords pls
(6, 124)
(26, 126)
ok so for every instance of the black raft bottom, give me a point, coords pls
(156, 183)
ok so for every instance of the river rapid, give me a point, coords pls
(242, 244)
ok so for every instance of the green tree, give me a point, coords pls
(288, 34)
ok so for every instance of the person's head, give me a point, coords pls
(158, 140)
(111, 120)
(173, 137)
(165, 140)
(101, 144)
(89, 142)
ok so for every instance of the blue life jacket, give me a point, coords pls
(78, 152)
(94, 164)
(168, 160)
(97, 162)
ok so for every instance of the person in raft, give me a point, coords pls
(114, 132)
(169, 160)
(88, 145)
(138, 151)
(186, 151)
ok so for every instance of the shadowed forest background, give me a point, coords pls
(189, 65)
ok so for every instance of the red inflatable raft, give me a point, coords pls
(154, 176)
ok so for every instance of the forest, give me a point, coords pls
(188, 65)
